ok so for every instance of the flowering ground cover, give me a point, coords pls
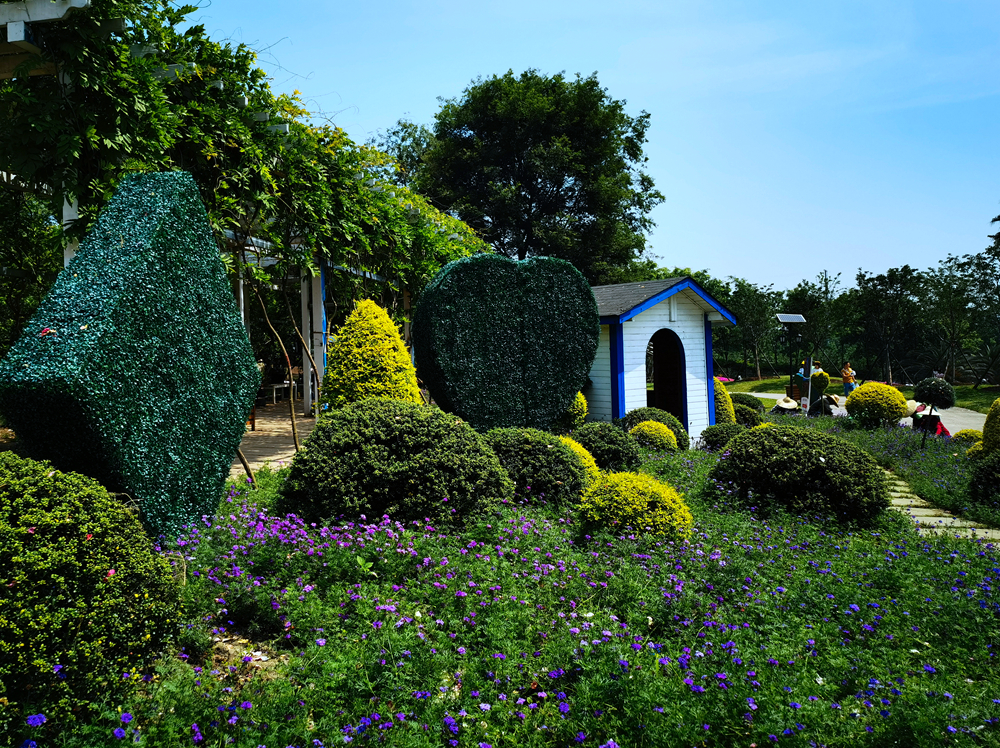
(521, 630)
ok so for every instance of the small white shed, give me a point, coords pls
(672, 318)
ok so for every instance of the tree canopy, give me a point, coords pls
(542, 165)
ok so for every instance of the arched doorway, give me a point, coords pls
(665, 369)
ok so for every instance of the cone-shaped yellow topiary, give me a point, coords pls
(724, 411)
(586, 459)
(368, 359)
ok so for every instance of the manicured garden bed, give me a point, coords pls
(522, 630)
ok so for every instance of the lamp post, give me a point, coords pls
(792, 337)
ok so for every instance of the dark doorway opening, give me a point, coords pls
(666, 371)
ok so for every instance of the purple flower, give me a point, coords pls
(119, 733)
(126, 717)
(321, 642)
(461, 650)
(245, 705)
(36, 720)
(795, 705)
(484, 707)
(929, 669)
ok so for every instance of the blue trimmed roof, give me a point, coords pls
(623, 301)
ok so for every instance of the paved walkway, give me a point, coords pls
(931, 520)
(271, 442)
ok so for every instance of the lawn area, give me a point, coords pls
(521, 629)
(774, 384)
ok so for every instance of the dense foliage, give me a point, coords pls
(542, 467)
(991, 428)
(654, 435)
(746, 416)
(744, 398)
(136, 369)
(820, 381)
(716, 437)
(874, 404)
(935, 392)
(381, 456)
(636, 503)
(367, 358)
(85, 597)
(613, 450)
(587, 461)
(573, 417)
(724, 412)
(506, 343)
(803, 472)
(543, 166)
(634, 417)
(984, 486)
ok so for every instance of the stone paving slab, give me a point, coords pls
(931, 520)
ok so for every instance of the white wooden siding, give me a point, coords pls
(689, 325)
(599, 396)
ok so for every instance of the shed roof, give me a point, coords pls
(623, 301)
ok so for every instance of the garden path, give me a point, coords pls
(931, 520)
(271, 442)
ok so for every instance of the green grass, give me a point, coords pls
(774, 384)
(965, 397)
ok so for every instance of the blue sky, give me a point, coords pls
(788, 138)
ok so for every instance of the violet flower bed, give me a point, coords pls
(520, 630)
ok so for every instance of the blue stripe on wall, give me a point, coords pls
(617, 335)
(710, 371)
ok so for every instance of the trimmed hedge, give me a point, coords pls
(367, 358)
(745, 398)
(934, 391)
(723, 404)
(653, 435)
(820, 382)
(613, 450)
(136, 369)
(968, 435)
(85, 596)
(586, 459)
(874, 404)
(573, 417)
(746, 416)
(715, 438)
(634, 417)
(540, 465)
(631, 502)
(802, 471)
(984, 484)
(991, 428)
(382, 456)
(506, 343)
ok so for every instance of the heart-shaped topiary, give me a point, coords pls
(503, 343)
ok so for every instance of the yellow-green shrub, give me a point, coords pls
(587, 461)
(654, 435)
(638, 502)
(874, 404)
(991, 429)
(573, 417)
(368, 359)
(820, 382)
(724, 412)
(968, 435)
(975, 451)
(85, 596)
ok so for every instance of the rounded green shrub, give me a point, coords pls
(984, 485)
(541, 466)
(367, 358)
(634, 417)
(653, 435)
(382, 456)
(586, 459)
(746, 416)
(715, 438)
(975, 451)
(820, 381)
(85, 596)
(636, 503)
(723, 404)
(573, 417)
(612, 448)
(934, 391)
(802, 471)
(874, 404)
(991, 428)
(968, 435)
(745, 398)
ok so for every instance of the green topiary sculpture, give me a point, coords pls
(874, 404)
(746, 416)
(744, 398)
(724, 412)
(85, 596)
(506, 343)
(367, 358)
(653, 435)
(935, 392)
(820, 382)
(634, 417)
(381, 456)
(136, 369)
(612, 448)
(991, 428)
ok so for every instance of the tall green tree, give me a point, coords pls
(755, 308)
(884, 303)
(544, 165)
(983, 273)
